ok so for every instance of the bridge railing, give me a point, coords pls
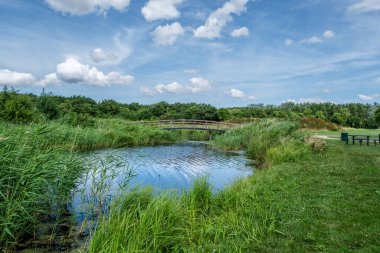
(187, 123)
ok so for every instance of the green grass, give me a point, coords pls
(327, 202)
(267, 142)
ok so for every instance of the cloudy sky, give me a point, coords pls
(222, 52)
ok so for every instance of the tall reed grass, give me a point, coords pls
(267, 142)
(35, 181)
(195, 221)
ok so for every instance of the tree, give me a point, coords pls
(48, 105)
(377, 116)
(19, 109)
(109, 107)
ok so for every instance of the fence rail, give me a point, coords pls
(188, 124)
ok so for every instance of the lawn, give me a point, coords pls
(330, 203)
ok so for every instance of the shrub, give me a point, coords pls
(316, 123)
(81, 119)
(318, 145)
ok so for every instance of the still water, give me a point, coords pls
(172, 167)
(177, 166)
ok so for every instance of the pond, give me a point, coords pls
(170, 167)
(112, 171)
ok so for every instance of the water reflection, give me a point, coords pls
(177, 166)
(173, 167)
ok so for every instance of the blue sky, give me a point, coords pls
(222, 52)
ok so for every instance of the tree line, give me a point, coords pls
(80, 110)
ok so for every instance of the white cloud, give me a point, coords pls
(288, 42)
(312, 40)
(240, 32)
(167, 34)
(191, 71)
(72, 71)
(198, 84)
(239, 94)
(328, 34)
(99, 55)
(161, 9)
(173, 87)
(148, 91)
(13, 78)
(219, 19)
(49, 79)
(81, 7)
(368, 97)
(365, 6)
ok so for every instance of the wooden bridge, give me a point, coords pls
(188, 124)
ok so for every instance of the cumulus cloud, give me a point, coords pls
(368, 97)
(173, 87)
(13, 78)
(239, 94)
(167, 35)
(288, 42)
(98, 55)
(197, 84)
(161, 9)
(82, 7)
(240, 32)
(49, 79)
(328, 34)
(220, 18)
(365, 6)
(72, 71)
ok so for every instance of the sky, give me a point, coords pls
(220, 52)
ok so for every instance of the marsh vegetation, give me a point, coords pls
(307, 194)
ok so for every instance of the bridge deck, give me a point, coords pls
(194, 128)
(185, 124)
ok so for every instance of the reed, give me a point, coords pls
(195, 221)
(35, 181)
(267, 142)
(40, 167)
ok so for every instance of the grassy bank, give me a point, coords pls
(318, 201)
(268, 142)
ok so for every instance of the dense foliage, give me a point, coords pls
(79, 110)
